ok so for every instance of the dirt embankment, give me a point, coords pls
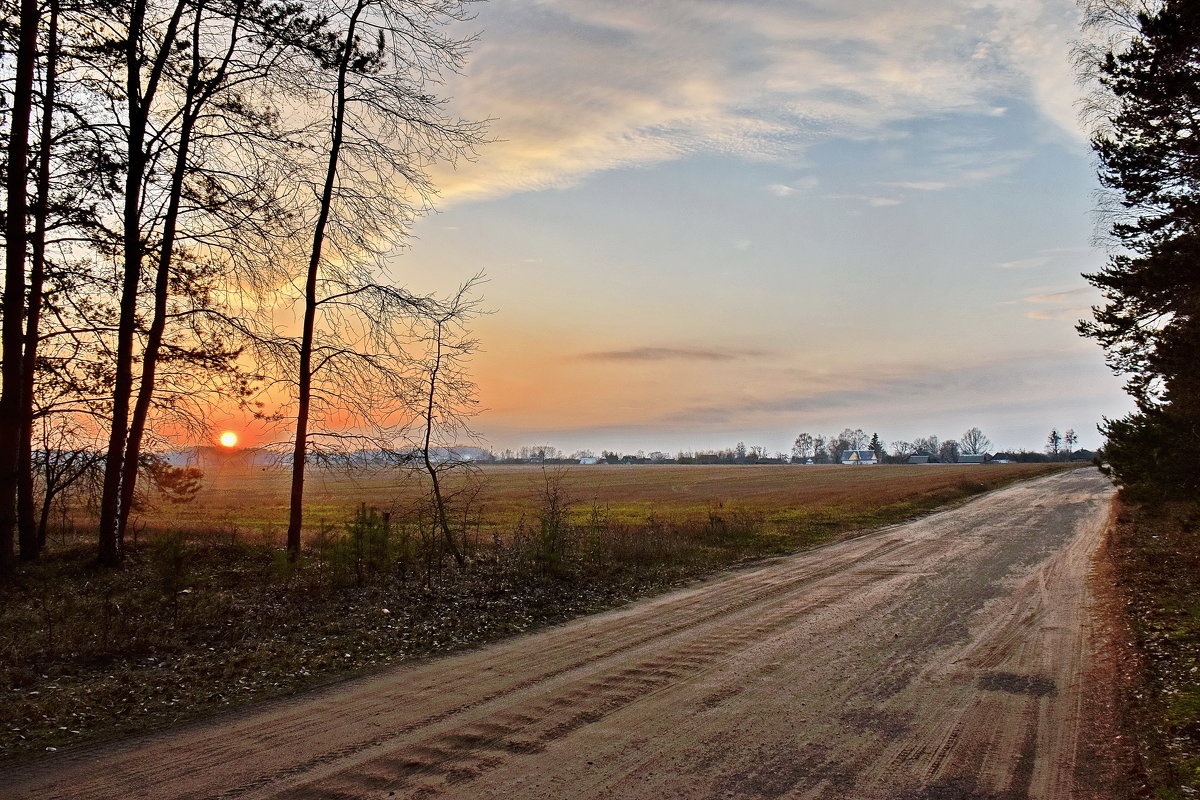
(941, 659)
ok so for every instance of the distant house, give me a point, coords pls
(589, 460)
(859, 457)
(919, 459)
(973, 458)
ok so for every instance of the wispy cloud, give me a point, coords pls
(674, 354)
(789, 189)
(895, 392)
(763, 80)
(922, 186)
(1025, 263)
(1069, 305)
(875, 201)
(1051, 255)
(955, 166)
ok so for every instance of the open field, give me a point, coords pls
(253, 500)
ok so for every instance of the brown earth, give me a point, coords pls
(945, 659)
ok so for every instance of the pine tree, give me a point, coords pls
(877, 447)
(1149, 151)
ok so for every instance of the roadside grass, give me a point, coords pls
(202, 620)
(1156, 551)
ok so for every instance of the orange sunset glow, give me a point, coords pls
(229, 439)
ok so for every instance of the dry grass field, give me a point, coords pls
(252, 501)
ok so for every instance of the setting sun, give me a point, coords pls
(229, 438)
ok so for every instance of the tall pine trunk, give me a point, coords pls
(139, 102)
(193, 101)
(28, 524)
(11, 383)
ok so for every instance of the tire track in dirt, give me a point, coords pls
(939, 659)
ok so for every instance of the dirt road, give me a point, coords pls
(939, 660)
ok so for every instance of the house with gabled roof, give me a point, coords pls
(859, 457)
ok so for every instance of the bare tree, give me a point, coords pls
(856, 438)
(385, 129)
(217, 211)
(1070, 440)
(838, 444)
(973, 442)
(802, 448)
(449, 397)
(147, 45)
(928, 444)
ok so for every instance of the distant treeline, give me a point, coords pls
(810, 449)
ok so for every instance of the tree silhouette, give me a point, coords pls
(1149, 324)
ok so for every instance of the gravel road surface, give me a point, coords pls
(938, 660)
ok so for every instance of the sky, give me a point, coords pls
(712, 221)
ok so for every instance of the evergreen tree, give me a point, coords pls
(1149, 151)
(1052, 443)
(877, 447)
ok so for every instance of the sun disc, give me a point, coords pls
(229, 438)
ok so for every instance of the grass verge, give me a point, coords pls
(1156, 552)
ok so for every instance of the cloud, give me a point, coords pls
(875, 201)
(787, 190)
(1073, 257)
(1025, 263)
(580, 86)
(922, 186)
(673, 354)
(892, 393)
(1058, 297)
(1069, 305)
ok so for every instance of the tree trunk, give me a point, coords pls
(158, 322)
(11, 383)
(139, 104)
(311, 301)
(28, 528)
(439, 502)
